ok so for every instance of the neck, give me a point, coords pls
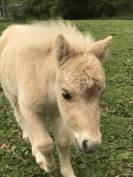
(46, 72)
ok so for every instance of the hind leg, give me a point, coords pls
(19, 118)
(21, 122)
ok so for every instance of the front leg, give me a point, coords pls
(63, 141)
(42, 143)
(65, 164)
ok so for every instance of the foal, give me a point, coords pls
(52, 66)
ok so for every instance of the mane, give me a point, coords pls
(45, 33)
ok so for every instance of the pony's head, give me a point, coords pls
(80, 83)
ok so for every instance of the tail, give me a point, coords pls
(3, 42)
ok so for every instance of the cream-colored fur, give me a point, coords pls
(42, 63)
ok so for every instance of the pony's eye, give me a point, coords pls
(66, 95)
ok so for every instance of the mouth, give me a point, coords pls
(77, 145)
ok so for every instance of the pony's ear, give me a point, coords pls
(62, 49)
(100, 48)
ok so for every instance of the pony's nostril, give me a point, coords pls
(85, 145)
(89, 146)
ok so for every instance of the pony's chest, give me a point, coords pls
(49, 111)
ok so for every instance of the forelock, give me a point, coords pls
(84, 77)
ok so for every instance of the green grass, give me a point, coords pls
(115, 157)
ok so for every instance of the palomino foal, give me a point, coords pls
(52, 66)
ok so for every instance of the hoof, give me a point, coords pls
(49, 169)
(25, 136)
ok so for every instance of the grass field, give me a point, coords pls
(115, 157)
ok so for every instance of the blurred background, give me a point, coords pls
(66, 9)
